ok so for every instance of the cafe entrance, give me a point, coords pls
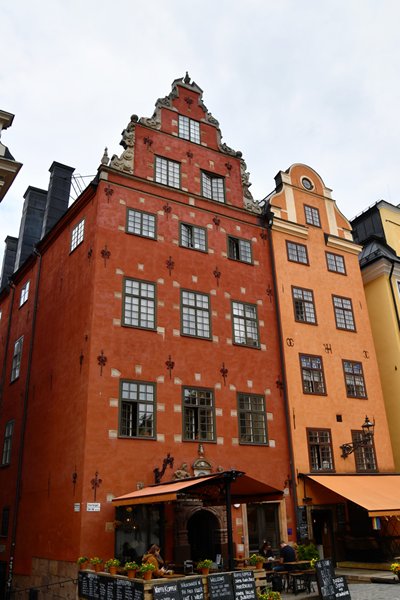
(203, 527)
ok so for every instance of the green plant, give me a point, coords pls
(395, 567)
(307, 552)
(96, 560)
(255, 559)
(269, 595)
(82, 560)
(204, 564)
(112, 562)
(144, 567)
(131, 566)
(312, 562)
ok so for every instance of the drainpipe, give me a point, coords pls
(3, 372)
(393, 295)
(22, 436)
(269, 217)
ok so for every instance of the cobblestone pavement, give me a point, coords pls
(359, 591)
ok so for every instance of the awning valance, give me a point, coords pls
(379, 494)
(208, 487)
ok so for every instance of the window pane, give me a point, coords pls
(137, 409)
(198, 414)
(140, 223)
(139, 304)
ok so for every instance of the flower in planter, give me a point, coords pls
(255, 559)
(112, 562)
(82, 560)
(131, 566)
(269, 595)
(204, 564)
(395, 568)
(144, 567)
(96, 560)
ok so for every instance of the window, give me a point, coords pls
(141, 223)
(5, 520)
(77, 234)
(195, 314)
(320, 449)
(198, 415)
(343, 313)
(312, 374)
(252, 421)
(312, 216)
(189, 129)
(24, 294)
(139, 303)
(239, 249)
(137, 407)
(8, 433)
(193, 237)
(335, 263)
(297, 253)
(16, 360)
(213, 187)
(364, 455)
(245, 324)
(168, 172)
(303, 304)
(354, 379)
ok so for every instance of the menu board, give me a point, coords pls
(220, 586)
(329, 586)
(166, 591)
(191, 589)
(244, 585)
(93, 586)
(88, 585)
(302, 523)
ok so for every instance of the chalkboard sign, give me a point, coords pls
(220, 586)
(166, 591)
(88, 585)
(302, 524)
(244, 585)
(329, 586)
(106, 588)
(191, 589)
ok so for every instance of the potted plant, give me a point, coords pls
(307, 552)
(96, 562)
(131, 568)
(112, 564)
(256, 560)
(269, 595)
(395, 568)
(82, 562)
(146, 570)
(204, 566)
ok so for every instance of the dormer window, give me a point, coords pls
(189, 129)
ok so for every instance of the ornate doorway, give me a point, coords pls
(203, 527)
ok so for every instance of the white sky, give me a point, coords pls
(311, 81)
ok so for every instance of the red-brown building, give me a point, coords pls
(141, 328)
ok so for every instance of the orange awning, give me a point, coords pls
(209, 487)
(379, 494)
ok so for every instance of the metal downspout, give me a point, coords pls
(22, 437)
(284, 388)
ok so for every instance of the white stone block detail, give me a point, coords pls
(249, 383)
(256, 263)
(238, 228)
(270, 416)
(121, 228)
(177, 437)
(197, 376)
(227, 316)
(176, 284)
(117, 322)
(175, 217)
(229, 341)
(115, 373)
(217, 386)
(260, 302)
(220, 441)
(271, 443)
(263, 347)
(193, 215)
(235, 441)
(138, 369)
(194, 278)
(177, 381)
(192, 202)
(161, 331)
(233, 412)
(224, 254)
(177, 408)
(261, 323)
(160, 379)
(227, 295)
(114, 402)
(141, 200)
(117, 295)
(267, 391)
(112, 434)
(213, 292)
(209, 226)
(160, 281)
(160, 303)
(215, 339)
(175, 242)
(219, 412)
(176, 332)
(119, 272)
(140, 267)
(211, 251)
(160, 238)
(110, 497)
(242, 290)
(232, 387)
(160, 437)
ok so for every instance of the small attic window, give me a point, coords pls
(307, 183)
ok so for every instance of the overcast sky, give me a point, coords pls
(311, 81)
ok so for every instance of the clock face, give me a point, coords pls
(306, 183)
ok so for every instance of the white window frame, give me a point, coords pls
(141, 223)
(24, 294)
(189, 129)
(16, 360)
(77, 235)
(7, 443)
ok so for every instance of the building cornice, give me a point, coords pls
(379, 268)
(289, 228)
(342, 244)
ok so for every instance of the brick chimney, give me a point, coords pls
(57, 195)
(8, 260)
(30, 230)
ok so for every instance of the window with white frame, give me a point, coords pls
(139, 303)
(189, 129)
(195, 314)
(245, 324)
(7, 443)
(312, 374)
(354, 379)
(77, 234)
(239, 249)
(320, 449)
(364, 453)
(213, 186)
(198, 415)
(344, 316)
(16, 360)
(297, 252)
(335, 263)
(193, 237)
(312, 216)
(137, 409)
(168, 172)
(252, 419)
(303, 304)
(141, 223)
(24, 294)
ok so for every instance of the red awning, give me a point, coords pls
(210, 488)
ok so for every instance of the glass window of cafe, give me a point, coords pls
(263, 524)
(136, 529)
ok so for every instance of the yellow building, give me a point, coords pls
(378, 230)
(331, 377)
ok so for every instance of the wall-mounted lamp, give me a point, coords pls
(367, 436)
(236, 506)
